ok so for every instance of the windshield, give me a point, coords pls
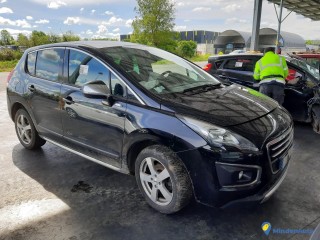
(306, 66)
(158, 71)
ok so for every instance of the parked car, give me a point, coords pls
(239, 51)
(143, 111)
(302, 90)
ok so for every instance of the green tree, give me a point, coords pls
(187, 48)
(69, 36)
(22, 40)
(38, 38)
(6, 38)
(54, 38)
(154, 23)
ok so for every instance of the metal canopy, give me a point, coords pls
(307, 8)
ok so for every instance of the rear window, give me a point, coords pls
(31, 62)
(240, 64)
(49, 63)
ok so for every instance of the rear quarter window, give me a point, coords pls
(31, 62)
(218, 63)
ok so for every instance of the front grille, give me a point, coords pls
(278, 149)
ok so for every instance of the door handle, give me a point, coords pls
(31, 88)
(222, 76)
(68, 100)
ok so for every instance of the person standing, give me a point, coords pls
(271, 70)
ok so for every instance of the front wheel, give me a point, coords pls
(163, 179)
(26, 132)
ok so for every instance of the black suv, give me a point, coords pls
(302, 90)
(143, 111)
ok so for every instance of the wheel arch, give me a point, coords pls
(142, 141)
(15, 107)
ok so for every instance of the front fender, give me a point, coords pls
(145, 127)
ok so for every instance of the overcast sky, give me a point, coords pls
(110, 18)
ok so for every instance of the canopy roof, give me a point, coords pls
(307, 8)
(232, 36)
(289, 39)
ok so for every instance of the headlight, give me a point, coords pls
(218, 136)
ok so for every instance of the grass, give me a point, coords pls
(7, 66)
(200, 58)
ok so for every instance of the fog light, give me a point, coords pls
(238, 175)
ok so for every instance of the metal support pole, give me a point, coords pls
(279, 24)
(254, 45)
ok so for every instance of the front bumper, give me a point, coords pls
(213, 185)
(264, 194)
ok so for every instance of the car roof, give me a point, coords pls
(226, 56)
(90, 44)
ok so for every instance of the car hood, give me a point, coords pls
(224, 106)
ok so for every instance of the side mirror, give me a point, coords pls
(96, 89)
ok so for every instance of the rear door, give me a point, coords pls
(43, 90)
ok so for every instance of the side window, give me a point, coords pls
(49, 63)
(84, 68)
(117, 87)
(31, 62)
(240, 64)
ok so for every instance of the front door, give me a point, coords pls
(90, 125)
(298, 91)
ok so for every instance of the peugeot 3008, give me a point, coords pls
(143, 111)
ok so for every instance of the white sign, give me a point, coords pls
(84, 69)
(239, 64)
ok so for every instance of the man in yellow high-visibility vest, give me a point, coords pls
(271, 70)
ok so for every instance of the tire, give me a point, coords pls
(26, 132)
(315, 121)
(163, 179)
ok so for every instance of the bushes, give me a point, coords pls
(187, 49)
(7, 66)
(9, 55)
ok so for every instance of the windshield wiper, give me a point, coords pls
(202, 88)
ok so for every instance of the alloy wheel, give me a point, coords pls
(156, 181)
(24, 129)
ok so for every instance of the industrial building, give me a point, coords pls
(229, 40)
